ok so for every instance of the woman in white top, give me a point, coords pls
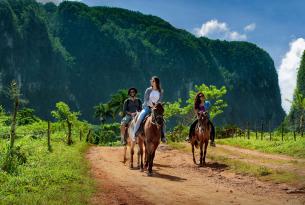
(152, 95)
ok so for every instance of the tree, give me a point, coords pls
(211, 93)
(103, 112)
(298, 105)
(112, 108)
(26, 116)
(116, 102)
(64, 115)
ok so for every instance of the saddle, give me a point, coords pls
(141, 128)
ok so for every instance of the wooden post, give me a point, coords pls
(80, 134)
(49, 137)
(248, 130)
(294, 136)
(262, 134)
(88, 135)
(282, 132)
(270, 130)
(256, 130)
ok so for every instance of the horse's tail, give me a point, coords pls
(196, 144)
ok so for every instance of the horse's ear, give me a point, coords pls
(163, 103)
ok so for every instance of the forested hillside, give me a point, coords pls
(81, 55)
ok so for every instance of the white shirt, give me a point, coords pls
(153, 97)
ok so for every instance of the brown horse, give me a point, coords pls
(201, 136)
(152, 135)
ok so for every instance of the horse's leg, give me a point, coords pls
(149, 157)
(125, 158)
(205, 150)
(201, 154)
(131, 154)
(146, 156)
(141, 154)
(193, 150)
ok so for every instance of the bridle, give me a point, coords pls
(157, 117)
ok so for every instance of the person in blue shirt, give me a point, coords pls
(201, 105)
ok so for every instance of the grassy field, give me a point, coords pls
(57, 177)
(288, 146)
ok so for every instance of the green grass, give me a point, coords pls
(276, 145)
(261, 172)
(57, 177)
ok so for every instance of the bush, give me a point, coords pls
(179, 133)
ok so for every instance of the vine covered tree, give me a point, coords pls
(64, 115)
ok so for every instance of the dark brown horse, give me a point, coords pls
(152, 135)
(201, 136)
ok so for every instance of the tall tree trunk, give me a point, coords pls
(69, 133)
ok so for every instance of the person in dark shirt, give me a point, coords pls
(131, 106)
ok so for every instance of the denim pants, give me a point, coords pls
(146, 111)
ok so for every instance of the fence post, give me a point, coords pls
(80, 134)
(262, 134)
(294, 136)
(270, 129)
(282, 132)
(49, 137)
(256, 130)
(248, 133)
(88, 135)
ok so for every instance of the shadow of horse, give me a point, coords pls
(168, 177)
(215, 166)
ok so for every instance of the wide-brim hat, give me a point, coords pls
(130, 89)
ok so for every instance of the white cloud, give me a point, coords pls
(218, 30)
(288, 71)
(250, 27)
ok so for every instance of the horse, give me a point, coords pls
(152, 135)
(131, 143)
(201, 136)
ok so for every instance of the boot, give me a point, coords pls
(163, 138)
(212, 144)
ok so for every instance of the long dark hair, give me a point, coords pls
(158, 84)
(197, 100)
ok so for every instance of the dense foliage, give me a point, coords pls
(80, 55)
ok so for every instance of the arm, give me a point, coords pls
(140, 105)
(125, 107)
(161, 97)
(146, 97)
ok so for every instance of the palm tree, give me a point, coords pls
(103, 112)
(117, 101)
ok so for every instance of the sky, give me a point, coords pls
(277, 26)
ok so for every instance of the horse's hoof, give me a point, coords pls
(131, 167)
(200, 165)
(194, 162)
(141, 170)
(149, 174)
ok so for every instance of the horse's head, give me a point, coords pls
(157, 114)
(203, 118)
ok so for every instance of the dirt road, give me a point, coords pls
(177, 180)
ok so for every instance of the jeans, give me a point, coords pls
(146, 111)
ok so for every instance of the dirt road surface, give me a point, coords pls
(177, 180)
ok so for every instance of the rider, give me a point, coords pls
(131, 106)
(152, 95)
(201, 105)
